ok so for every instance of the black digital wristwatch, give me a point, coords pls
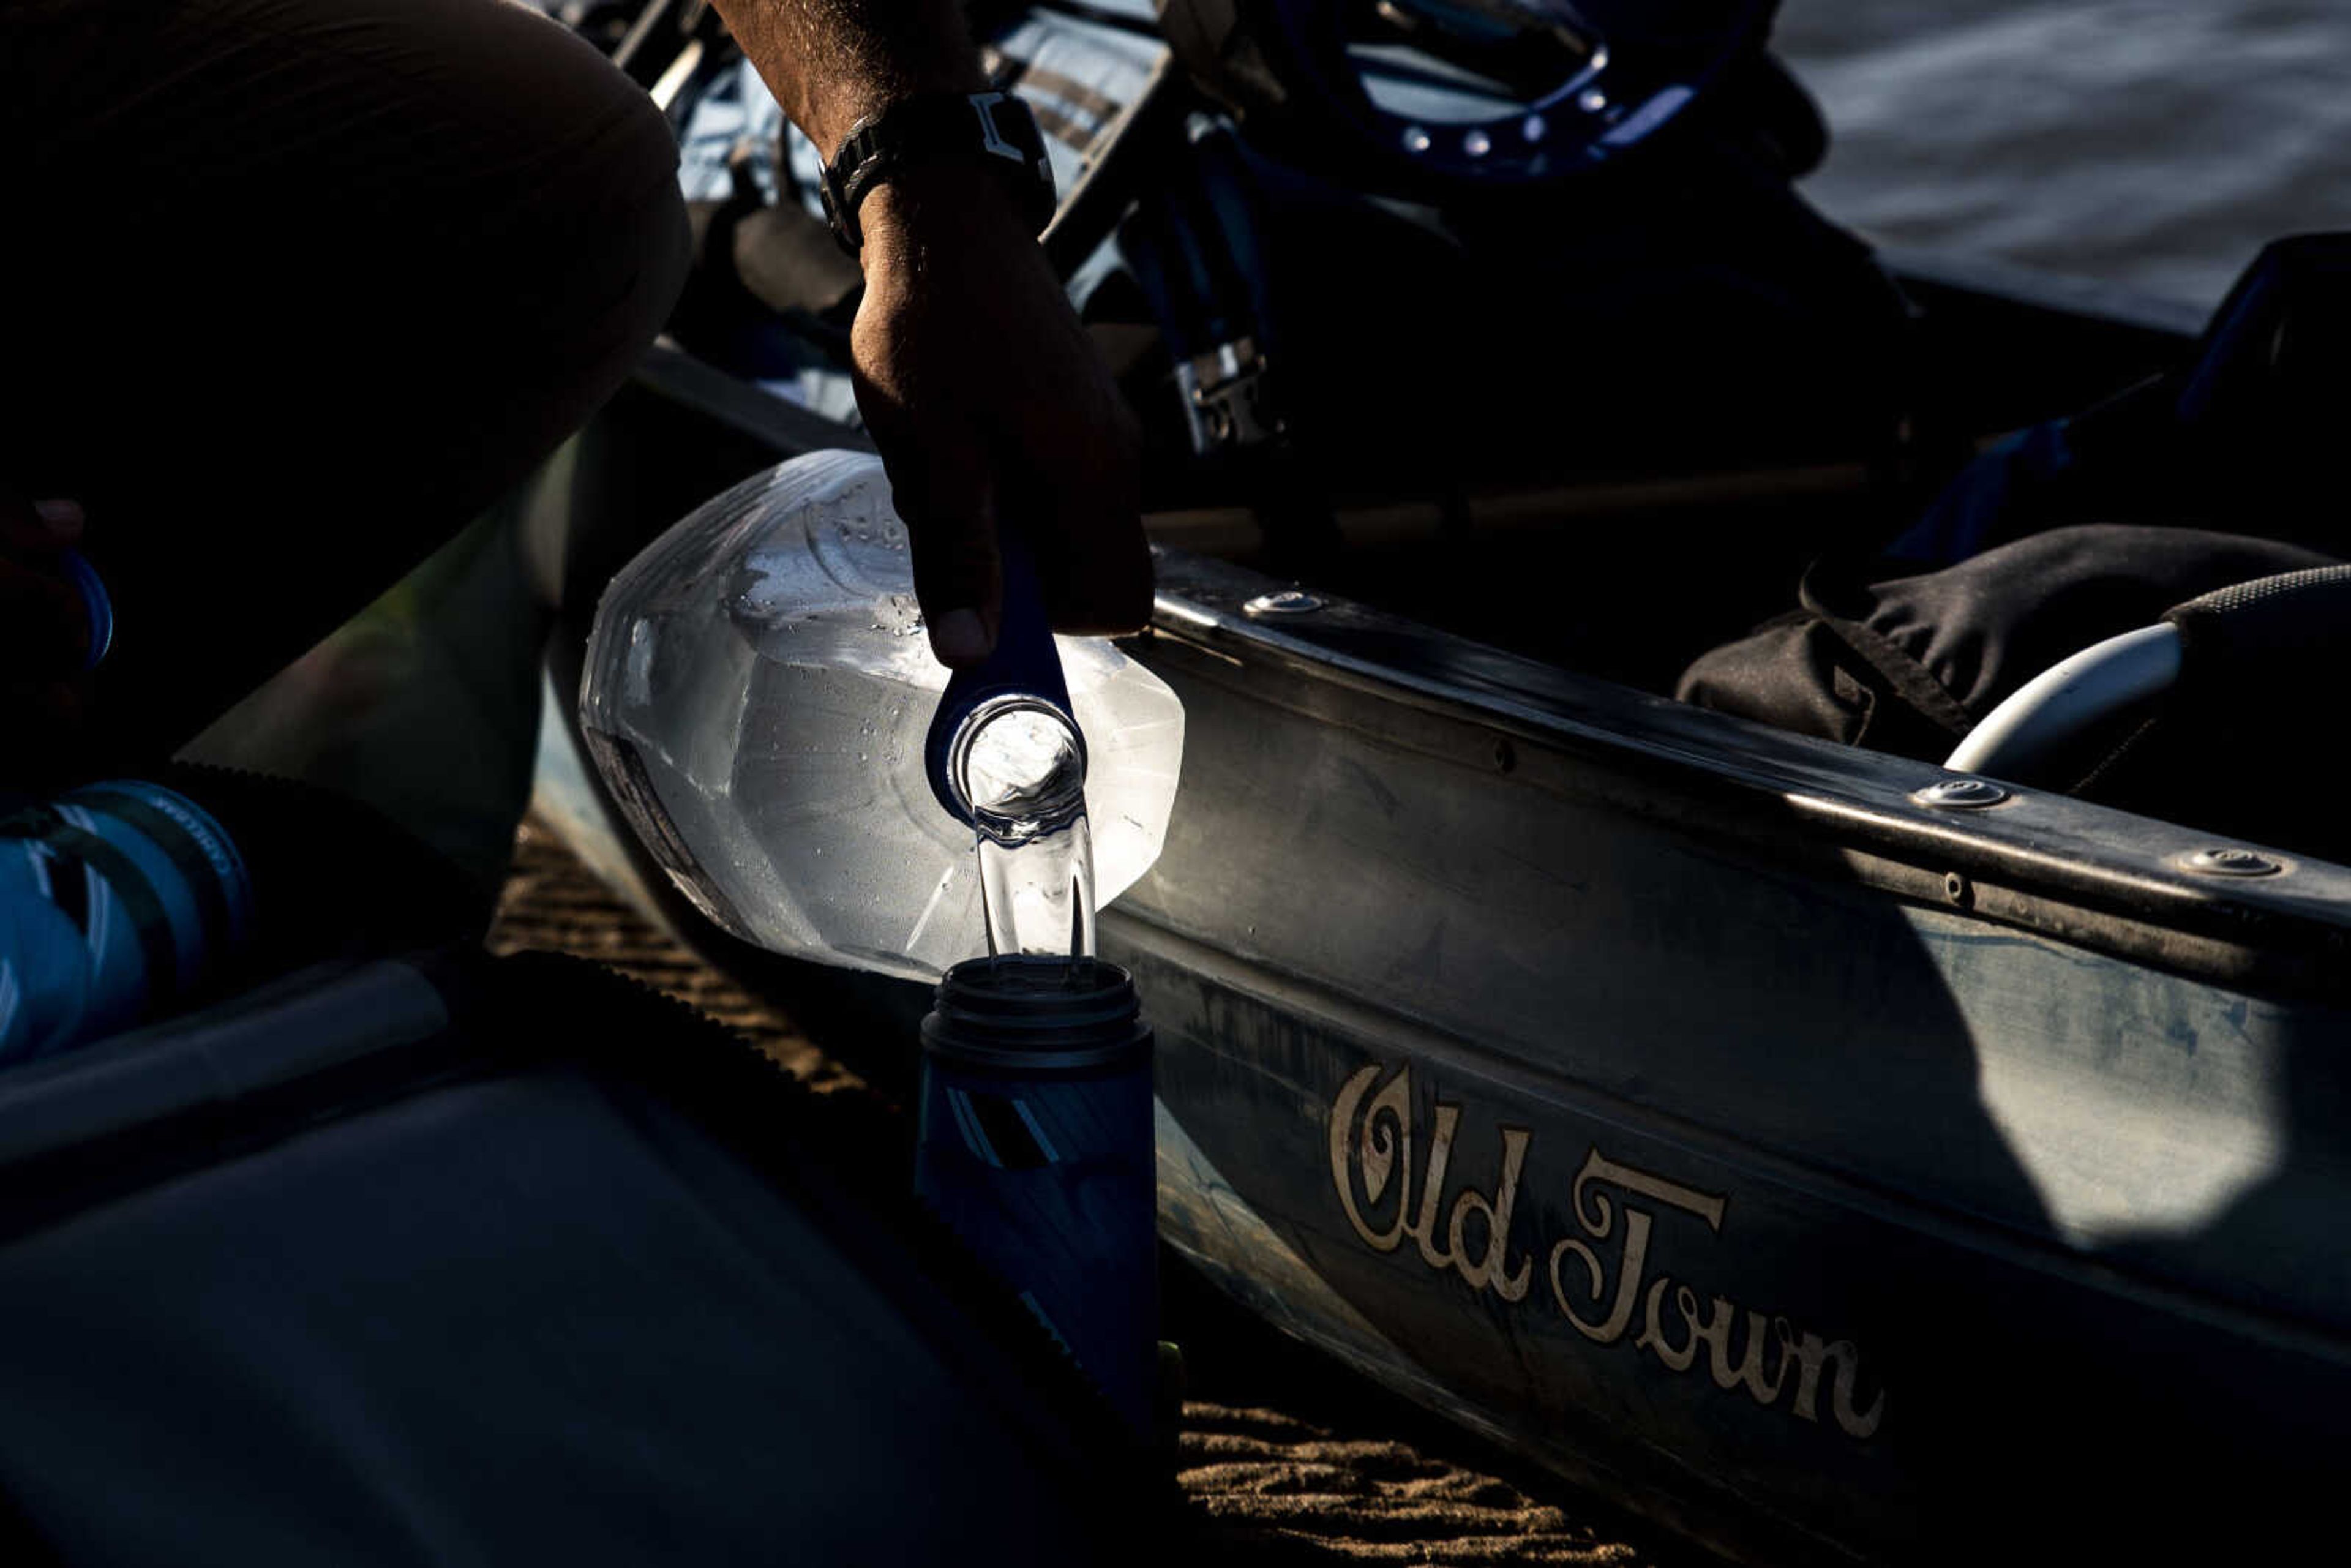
(994, 127)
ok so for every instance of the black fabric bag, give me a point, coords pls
(472, 1261)
(1909, 663)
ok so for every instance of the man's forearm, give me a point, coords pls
(979, 386)
(831, 63)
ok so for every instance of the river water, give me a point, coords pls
(2154, 143)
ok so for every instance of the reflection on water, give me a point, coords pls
(2141, 142)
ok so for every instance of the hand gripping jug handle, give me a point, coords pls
(1025, 664)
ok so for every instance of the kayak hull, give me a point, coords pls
(1650, 1108)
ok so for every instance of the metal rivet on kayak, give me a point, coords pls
(1957, 889)
(1287, 602)
(1477, 144)
(1592, 101)
(1961, 794)
(1415, 140)
(2230, 861)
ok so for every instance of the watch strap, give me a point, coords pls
(994, 127)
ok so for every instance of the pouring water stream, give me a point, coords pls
(1022, 771)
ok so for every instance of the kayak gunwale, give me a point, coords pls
(2039, 861)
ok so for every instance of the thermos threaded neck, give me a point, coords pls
(1029, 1013)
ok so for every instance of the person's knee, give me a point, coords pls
(594, 282)
(569, 146)
(563, 237)
(595, 168)
(628, 193)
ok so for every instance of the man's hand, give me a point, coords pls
(993, 410)
(43, 637)
(990, 404)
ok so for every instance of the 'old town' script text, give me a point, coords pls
(1605, 1295)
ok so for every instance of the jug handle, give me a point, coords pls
(1025, 663)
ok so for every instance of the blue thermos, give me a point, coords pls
(1036, 1148)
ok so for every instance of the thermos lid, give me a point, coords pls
(1031, 1013)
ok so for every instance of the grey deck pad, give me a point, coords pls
(521, 1307)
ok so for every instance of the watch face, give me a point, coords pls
(997, 112)
(1013, 133)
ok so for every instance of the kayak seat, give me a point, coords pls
(2216, 698)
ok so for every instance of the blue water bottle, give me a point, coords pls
(1036, 1147)
(115, 900)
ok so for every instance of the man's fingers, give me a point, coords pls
(1092, 558)
(1099, 579)
(941, 484)
(987, 397)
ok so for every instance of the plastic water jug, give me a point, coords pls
(758, 697)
